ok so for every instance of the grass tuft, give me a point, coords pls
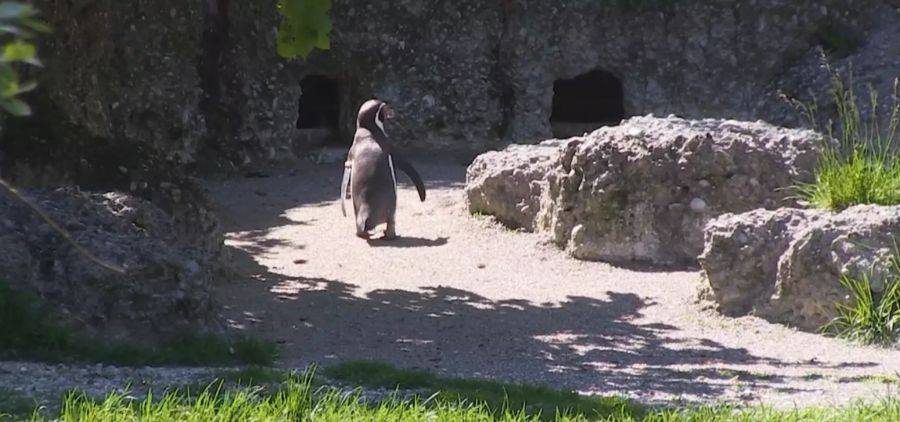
(533, 400)
(254, 351)
(873, 317)
(300, 400)
(28, 330)
(864, 166)
(253, 376)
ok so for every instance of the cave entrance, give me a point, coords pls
(319, 111)
(586, 102)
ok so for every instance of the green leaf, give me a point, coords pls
(27, 87)
(15, 107)
(16, 10)
(11, 29)
(37, 25)
(18, 51)
(305, 25)
(7, 73)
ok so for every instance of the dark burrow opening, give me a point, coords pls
(586, 102)
(319, 111)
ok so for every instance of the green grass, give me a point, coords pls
(253, 376)
(28, 330)
(875, 379)
(837, 40)
(872, 317)
(299, 400)
(535, 399)
(15, 406)
(864, 166)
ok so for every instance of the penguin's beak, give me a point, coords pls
(389, 113)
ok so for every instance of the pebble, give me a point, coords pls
(698, 205)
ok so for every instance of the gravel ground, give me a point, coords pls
(48, 383)
(462, 296)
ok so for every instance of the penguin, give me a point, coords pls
(370, 172)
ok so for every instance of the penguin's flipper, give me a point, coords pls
(345, 182)
(407, 168)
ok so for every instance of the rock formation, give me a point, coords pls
(509, 184)
(644, 190)
(785, 265)
(167, 284)
(201, 81)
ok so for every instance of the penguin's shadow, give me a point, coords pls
(407, 242)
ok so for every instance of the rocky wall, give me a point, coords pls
(201, 81)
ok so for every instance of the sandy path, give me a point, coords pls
(461, 296)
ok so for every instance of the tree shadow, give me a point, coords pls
(584, 344)
(647, 267)
(258, 242)
(274, 195)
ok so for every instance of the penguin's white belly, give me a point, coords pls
(393, 171)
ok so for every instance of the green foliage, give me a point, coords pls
(18, 25)
(836, 40)
(28, 330)
(299, 400)
(864, 167)
(533, 400)
(873, 317)
(15, 406)
(305, 25)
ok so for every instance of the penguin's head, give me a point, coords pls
(373, 113)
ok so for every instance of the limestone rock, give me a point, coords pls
(856, 241)
(741, 252)
(643, 191)
(166, 287)
(784, 265)
(508, 184)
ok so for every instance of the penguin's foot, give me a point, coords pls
(362, 235)
(390, 232)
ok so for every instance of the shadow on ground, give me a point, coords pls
(407, 242)
(289, 191)
(584, 344)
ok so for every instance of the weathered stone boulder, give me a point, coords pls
(644, 191)
(747, 248)
(168, 278)
(509, 184)
(785, 265)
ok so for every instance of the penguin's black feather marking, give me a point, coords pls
(410, 171)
